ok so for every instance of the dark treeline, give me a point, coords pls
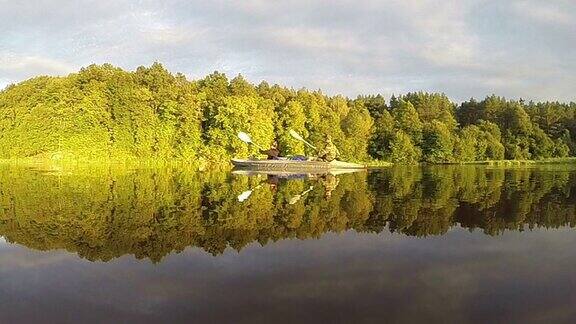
(103, 112)
(104, 214)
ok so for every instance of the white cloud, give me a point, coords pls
(441, 27)
(315, 40)
(13, 66)
(4, 83)
(463, 48)
(551, 12)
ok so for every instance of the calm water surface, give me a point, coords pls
(441, 244)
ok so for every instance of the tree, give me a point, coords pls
(357, 127)
(379, 147)
(291, 116)
(407, 119)
(240, 87)
(466, 144)
(541, 145)
(252, 115)
(376, 105)
(490, 146)
(432, 106)
(437, 143)
(469, 112)
(403, 150)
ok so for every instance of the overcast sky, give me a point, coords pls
(463, 48)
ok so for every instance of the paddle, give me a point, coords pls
(298, 137)
(246, 194)
(247, 139)
(296, 198)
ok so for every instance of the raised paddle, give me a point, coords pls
(298, 137)
(247, 139)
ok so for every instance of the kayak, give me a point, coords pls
(294, 165)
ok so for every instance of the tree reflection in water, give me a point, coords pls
(102, 214)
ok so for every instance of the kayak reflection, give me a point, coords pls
(327, 180)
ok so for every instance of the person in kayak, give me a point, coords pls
(273, 153)
(330, 152)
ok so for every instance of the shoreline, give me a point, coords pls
(203, 165)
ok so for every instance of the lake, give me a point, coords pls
(403, 244)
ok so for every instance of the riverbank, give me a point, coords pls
(132, 163)
(521, 162)
(377, 164)
(202, 165)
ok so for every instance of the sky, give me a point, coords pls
(466, 48)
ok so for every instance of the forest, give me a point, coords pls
(104, 112)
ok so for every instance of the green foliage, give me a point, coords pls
(382, 136)
(433, 106)
(103, 112)
(407, 119)
(467, 144)
(403, 150)
(291, 116)
(531, 131)
(250, 114)
(240, 87)
(437, 142)
(357, 127)
(376, 105)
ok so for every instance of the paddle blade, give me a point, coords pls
(295, 135)
(243, 196)
(298, 137)
(244, 137)
(294, 199)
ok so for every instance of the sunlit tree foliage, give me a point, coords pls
(104, 112)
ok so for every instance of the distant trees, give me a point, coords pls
(105, 112)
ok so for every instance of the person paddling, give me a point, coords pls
(330, 152)
(273, 153)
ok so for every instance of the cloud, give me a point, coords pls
(13, 66)
(554, 13)
(463, 48)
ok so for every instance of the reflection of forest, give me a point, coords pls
(151, 213)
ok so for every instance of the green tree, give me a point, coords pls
(437, 143)
(403, 150)
(291, 116)
(382, 137)
(357, 127)
(407, 119)
(466, 146)
(252, 115)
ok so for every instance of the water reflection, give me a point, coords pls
(102, 214)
